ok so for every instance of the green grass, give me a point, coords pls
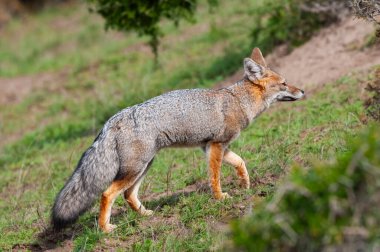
(95, 75)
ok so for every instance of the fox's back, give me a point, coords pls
(182, 117)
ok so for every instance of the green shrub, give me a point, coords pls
(144, 16)
(329, 206)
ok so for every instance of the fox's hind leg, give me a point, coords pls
(108, 198)
(237, 162)
(128, 178)
(215, 152)
(131, 196)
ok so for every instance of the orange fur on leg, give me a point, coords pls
(107, 200)
(215, 163)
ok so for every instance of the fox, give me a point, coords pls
(211, 119)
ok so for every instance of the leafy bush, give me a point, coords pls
(327, 207)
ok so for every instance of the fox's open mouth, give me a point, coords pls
(287, 98)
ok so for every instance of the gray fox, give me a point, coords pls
(123, 151)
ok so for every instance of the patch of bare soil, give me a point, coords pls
(50, 240)
(15, 89)
(333, 52)
(66, 245)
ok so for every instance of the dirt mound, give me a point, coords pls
(334, 51)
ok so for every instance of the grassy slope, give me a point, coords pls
(103, 73)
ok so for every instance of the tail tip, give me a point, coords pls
(58, 222)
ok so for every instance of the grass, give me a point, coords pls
(96, 74)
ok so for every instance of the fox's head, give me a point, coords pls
(274, 87)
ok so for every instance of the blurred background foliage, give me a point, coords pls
(328, 207)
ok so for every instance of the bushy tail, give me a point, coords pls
(95, 171)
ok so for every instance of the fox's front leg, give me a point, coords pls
(215, 153)
(238, 163)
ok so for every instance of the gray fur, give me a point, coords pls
(96, 169)
(253, 70)
(131, 138)
(182, 118)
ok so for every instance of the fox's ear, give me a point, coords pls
(253, 70)
(257, 56)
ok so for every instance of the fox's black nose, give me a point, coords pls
(303, 92)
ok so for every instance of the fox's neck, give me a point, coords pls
(251, 98)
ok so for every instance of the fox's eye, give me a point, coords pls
(283, 86)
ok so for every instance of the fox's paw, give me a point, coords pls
(146, 212)
(223, 196)
(108, 228)
(245, 184)
(226, 196)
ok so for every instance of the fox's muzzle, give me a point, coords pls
(292, 95)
